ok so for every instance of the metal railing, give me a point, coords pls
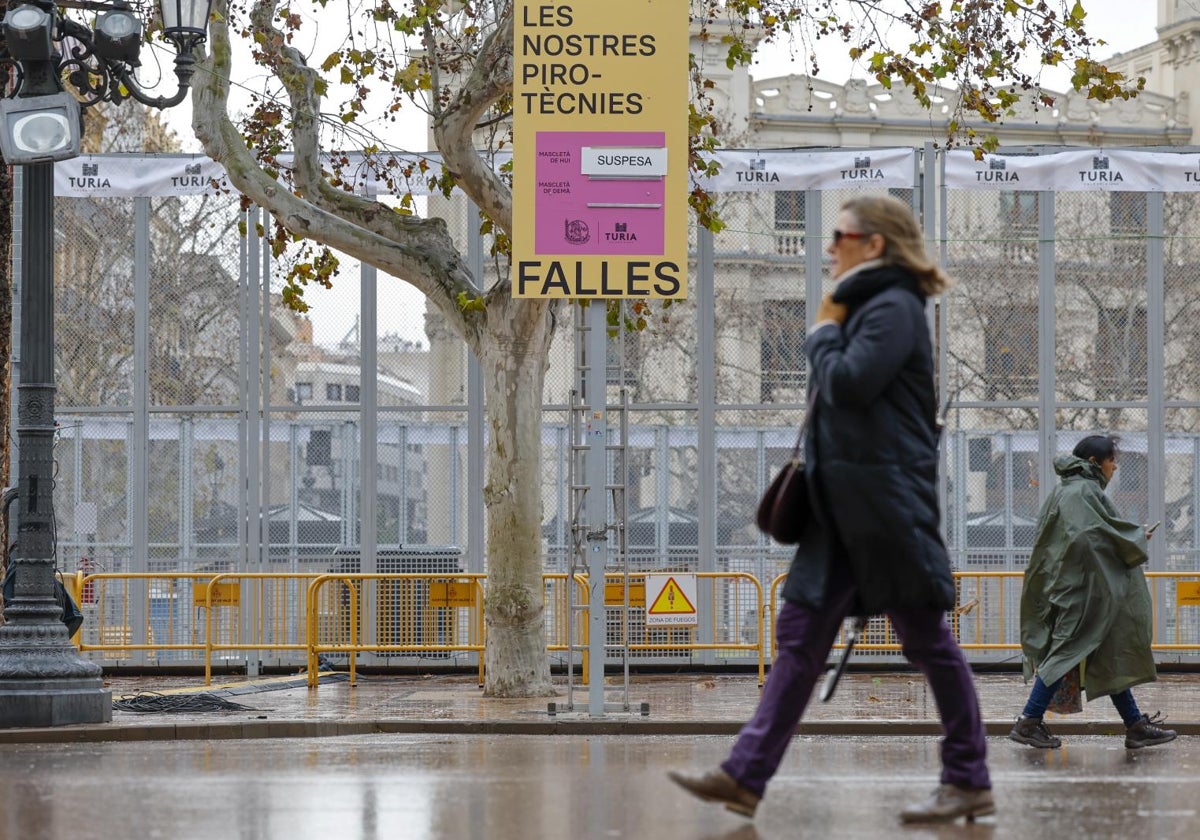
(986, 615)
(435, 614)
(393, 613)
(727, 599)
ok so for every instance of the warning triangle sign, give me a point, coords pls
(671, 601)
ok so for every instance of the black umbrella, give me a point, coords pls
(835, 673)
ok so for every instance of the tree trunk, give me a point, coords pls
(513, 355)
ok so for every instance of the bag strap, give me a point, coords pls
(812, 400)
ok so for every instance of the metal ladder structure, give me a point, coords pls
(597, 479)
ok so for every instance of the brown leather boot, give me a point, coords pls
(1147, 733)
(719, 786)
(1033, 733)
(948, 803)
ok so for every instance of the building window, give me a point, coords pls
(333, 392)
(1127, 217)
(789, 210)
(782, 359)
(1011, 352)
(1120, 353)
(1127, 212)
(303, 391)
(352, 393)
(1019, 224)
(1019, 210)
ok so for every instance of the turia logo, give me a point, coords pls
(621, 233)
(862, 170)
(756, 173)
(1101, 172)
(996, 172)
(89, 178)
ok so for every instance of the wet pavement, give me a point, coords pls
(517, 787)
(427, 757)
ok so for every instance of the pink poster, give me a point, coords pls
(618, 213)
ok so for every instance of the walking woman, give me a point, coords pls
(1086, 616)
(872, 543)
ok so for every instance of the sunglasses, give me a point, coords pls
(839, 235)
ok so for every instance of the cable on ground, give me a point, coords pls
(151, 702)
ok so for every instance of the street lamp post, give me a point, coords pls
(43, 679)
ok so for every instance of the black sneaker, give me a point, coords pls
(1033, 733)
(1147, 733)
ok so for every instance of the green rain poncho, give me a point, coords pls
(1085, 600)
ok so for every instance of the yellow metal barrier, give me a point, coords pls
(162, 595)
(985, 601)
(419, 611)
(216, 599)
(278, 624)
(635, 635)
(73, 583)
(440, 613)
(1186, 589)
(555, 600)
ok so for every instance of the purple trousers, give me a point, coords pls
(803, 638)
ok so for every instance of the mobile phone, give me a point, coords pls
(1153, 527)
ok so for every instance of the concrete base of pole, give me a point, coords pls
(51, 702)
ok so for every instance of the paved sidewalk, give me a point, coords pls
(866, 703)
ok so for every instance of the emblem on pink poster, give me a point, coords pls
(584, 214)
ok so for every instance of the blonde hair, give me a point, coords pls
(904, 244)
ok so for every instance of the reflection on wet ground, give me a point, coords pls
(463, 787)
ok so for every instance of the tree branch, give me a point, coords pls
(490, 80)
(419, 251)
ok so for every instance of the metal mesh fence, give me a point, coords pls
(205, 428)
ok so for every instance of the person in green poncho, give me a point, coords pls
(1086, 615)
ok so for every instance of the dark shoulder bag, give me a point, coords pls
(784, 509)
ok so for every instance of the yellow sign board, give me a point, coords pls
(224, 594)
(672, 600)
(600, 149)
(1187, 593)
(449, 593)
(614, 594)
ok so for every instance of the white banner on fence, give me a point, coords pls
(1118, 170)
(775, 171)
(132, 176)
(999, 172)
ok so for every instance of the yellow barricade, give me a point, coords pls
(986, 615)
(275, 620)
(736, 610)
(108, 625)
(435, 613)
(408, 613)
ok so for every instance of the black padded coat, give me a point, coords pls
(871, 453)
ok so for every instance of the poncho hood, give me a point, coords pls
(1067, 466)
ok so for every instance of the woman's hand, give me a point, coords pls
(829, 310)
